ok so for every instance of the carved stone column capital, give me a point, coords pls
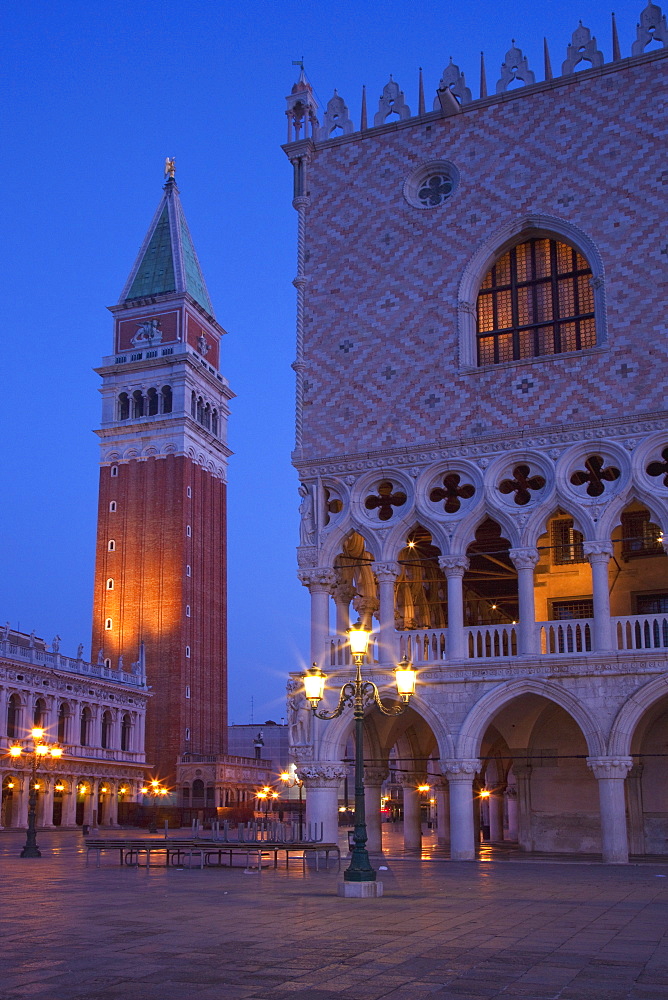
(460, 770)
(317, 579)
(597, 551)
(454, 565)
(386, 572)
(413, 779)
(343, 593)
(375, 775)
(610, 767)
(366, 605)
(321, 774)
(524, 558)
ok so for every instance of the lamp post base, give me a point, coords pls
(360, 890)
(31, 851)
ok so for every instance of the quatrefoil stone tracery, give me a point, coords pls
(522, 485)
(452, 493)
(595, 475)
(386, 499)
(656, 469)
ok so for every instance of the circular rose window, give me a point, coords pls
(431, 184)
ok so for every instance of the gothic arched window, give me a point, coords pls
(537, 299)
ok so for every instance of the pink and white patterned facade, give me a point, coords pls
(482, 442)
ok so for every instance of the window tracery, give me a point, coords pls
(537, 299)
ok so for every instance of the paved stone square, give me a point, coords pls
(525, 929)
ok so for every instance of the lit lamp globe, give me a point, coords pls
(405, 676)
(314, 684)
(358, 638)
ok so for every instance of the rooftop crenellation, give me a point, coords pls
(453, 93)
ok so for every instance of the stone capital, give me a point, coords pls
(343, 593)
(454, 565)
(375, 775)
(610, 767)
(525, 558)
(460, 770)
(597, 551)
(412, 779)
(318, 579)
(321, 774)
(386, 572)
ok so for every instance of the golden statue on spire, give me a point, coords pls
(170, 168)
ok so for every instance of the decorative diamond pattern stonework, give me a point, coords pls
(522, 485)
(452, 493)
(595, 475)
(386, 499)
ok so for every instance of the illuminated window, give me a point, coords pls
(108, 624)
(639, 536)
(112, 545)
(187, 570)
(188, 531)
(187, 611)
(112, 506)
(536, 300)
(187, 690)
(567, 543)
(114, 471)
(110, 584)
(188, 652)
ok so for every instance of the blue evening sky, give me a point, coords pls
(96, 95)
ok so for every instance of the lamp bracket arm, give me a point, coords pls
(394, 710)
(346, 695)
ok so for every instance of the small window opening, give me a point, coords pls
(188, 652)
(110, 583)
(188, 573)
(112, 545)
(114, 471)
(188, 531)
(187, 611)
(108, 624)
(187, 690)
(112, 506)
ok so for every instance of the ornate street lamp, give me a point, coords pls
(293, 781)
(42, 755)
(156, 790)
(359, 693)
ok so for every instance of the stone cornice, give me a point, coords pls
(481, 446)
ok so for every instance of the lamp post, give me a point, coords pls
(156, 790)
(358, 694)
(293, 781)
(40, 753)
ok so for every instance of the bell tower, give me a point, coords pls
(160, 576)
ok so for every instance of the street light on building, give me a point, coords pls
(293, 781)
(42, 755)
(358, 694)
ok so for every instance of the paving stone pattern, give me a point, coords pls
(443, 929)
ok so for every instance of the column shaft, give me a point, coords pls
(412, 818)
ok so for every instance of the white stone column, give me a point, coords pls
(636, 811)
(46, 801)
(495, 805)
(511, 806)
(69, 816)
(524, 561)
(343, 594)
(610, 772)
(442, 796)
(412, 812)
(319, 582)
(22, 791)
(90, 801)
(373, 781)
(388, 644)
(111, 818)
(522, 772)
(599, 555)
(321, 784)
(454, 567)
(460, 775)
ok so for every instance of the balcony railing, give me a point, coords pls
(499, 642)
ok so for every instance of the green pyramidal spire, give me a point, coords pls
(167, 261)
